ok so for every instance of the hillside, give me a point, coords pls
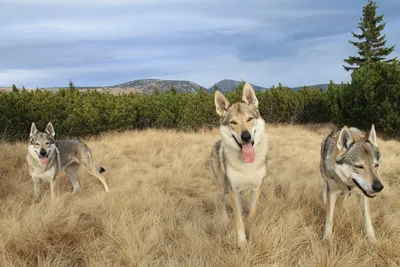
(228, 85)
(143, 86)
(146, 86)
(323, 86)
(163, 208)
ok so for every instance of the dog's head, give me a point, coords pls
(359, 161)
(241, 123)
(42, 143)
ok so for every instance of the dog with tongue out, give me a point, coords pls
(239, 158)
(46, 157)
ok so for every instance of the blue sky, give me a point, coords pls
(45, 43)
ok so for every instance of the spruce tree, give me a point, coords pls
(14, 88)
(71, 85)
(371, 47)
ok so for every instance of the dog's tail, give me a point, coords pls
(101, 170)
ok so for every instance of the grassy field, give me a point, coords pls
(162, 209)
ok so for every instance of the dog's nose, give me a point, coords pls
(43, 152)
(377, 186)
(246, 136)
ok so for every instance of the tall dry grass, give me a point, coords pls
(162, 209)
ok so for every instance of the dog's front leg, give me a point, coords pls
(368, 228)
(254, 197)
(52, 188)
(36, 187)
(330, 208)
(237, 210)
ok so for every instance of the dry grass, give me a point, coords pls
(162, 209)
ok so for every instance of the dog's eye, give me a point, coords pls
(359, 166)
(233, 122)
(250, 119)
(377, 165)
(37, 144)
(47, 143)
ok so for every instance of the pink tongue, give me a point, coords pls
(248, 153)
(372, 194)
(44, 160)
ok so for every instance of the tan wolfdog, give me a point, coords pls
(350, 159)
(47, 157)
(239, 159)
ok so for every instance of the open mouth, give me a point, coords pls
(240, 145)
(43, 159)
(370, 195)
(248, 154)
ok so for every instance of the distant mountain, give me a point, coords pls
(323, 86)
(143, 86)
(230, 85)
(147, 86)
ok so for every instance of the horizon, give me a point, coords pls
(106, 43)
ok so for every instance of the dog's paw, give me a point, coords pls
(242, 242)
(372, 240)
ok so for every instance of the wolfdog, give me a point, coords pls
(239, 159)
(350, 159)
(47, 157)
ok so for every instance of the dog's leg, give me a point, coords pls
(368, 228)
(324, 192)
(52, 188)
(71, 173)
(237, 210)
(330, 208)
(36, 186)
(95, 172)
(254, 197)
(222, 196)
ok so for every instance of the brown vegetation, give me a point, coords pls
(162, 209)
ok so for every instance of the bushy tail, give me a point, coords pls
(101, 170)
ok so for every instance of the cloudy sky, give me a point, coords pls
(45, 43)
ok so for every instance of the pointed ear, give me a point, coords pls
(345, 139)
(34, 130)
(50, 129)
(248, 96)
(221, 103)
(372, 136)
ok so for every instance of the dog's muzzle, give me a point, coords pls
(239, 144)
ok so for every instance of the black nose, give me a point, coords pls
(246, 136)
(377, 186)
(43, 152)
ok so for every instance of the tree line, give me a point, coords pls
(372, 96)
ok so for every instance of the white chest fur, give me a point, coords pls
(246, 176)
(37, 170)
(38, 173)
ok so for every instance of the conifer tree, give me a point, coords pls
(371, 47)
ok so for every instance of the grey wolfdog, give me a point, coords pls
(47, 157)
(350, 159)
(239, 159)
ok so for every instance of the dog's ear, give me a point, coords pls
(34, 130)
(221, 103)
(345, 139)
(372, 136)
(248, 96)
(50, 129)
